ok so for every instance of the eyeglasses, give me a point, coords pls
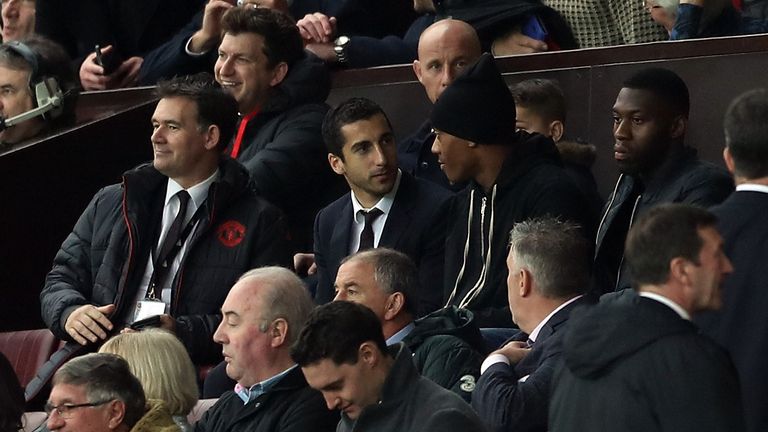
(65, 411)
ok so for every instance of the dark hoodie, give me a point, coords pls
(448, 349)
(532, 183)
(633, 364)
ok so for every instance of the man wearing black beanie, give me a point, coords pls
(513, 176)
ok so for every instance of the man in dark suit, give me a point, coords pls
(635, 361)
(548, 265)
(740, 326)
(411, 212)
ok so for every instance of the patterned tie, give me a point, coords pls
(366, 237)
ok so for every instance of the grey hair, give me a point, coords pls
(106, 377)
(393, 272)
(286, 297)
(555, 253)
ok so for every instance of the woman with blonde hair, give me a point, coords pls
(161, 363)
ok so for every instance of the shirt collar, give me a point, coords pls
(198, 192)
(752, 187)
(400, 335)
(258, 389)
(535, 333)
(384, 204)
(664, 300)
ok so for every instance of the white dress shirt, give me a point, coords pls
(198, 193)
(358, 219)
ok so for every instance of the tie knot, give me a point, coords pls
(371, 215)
(183, 197)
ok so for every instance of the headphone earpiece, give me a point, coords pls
(44, 89)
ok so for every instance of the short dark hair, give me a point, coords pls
(349, 111)
(214, 105)
(335, 331)
(663, 233)
(105, 377)
(555, 252)
(282, 40)
(394, 272)
(663, 83)
(543, 97)
(11, 397)
(746, 133)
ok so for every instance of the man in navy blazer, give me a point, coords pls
(548, 264)
(405, 214)
(740, 325)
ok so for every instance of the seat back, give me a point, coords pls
(27, 350)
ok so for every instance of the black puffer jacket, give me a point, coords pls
(448, 349)
(103, 260)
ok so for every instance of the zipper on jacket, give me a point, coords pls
(482, 227)
(631, 221)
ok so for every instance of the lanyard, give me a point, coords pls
(162, 264)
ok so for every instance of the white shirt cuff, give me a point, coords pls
(193, 54)
(492, 360)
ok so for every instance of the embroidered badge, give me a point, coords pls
(467, 383)
(231, 233)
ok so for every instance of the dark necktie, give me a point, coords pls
(175, 230)
(366, 237)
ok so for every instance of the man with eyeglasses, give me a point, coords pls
(97, 392)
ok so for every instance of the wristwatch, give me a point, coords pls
(340, 48)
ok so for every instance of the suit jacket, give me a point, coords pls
(504, 403)
(740, 325)
(415, 226)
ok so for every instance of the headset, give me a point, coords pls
(46, 92)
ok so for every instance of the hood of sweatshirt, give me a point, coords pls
(615, 328)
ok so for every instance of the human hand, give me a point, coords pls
(127, 73)
(207, 38)
(168, 322)
(278, 5)
(516, 43)
(304, 263)
(88, 323)
(513, 351)
(317, 28)
(92, 75)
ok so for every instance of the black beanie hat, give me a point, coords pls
(477, 106)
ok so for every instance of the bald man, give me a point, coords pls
(445, 49)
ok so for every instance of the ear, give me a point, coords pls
(394, 305)
(337, 165)
(679, 126)
(526, 283)
(278, 332)
(678, 270)
(556, 129)
(116, 413)
(278, 74)
(212, 137)
(417, 70)
(728, 158)
(368, 353)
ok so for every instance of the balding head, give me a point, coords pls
(445, 49)
(262, 315)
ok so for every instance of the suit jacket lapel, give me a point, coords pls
(400, 214)
(339, 247)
